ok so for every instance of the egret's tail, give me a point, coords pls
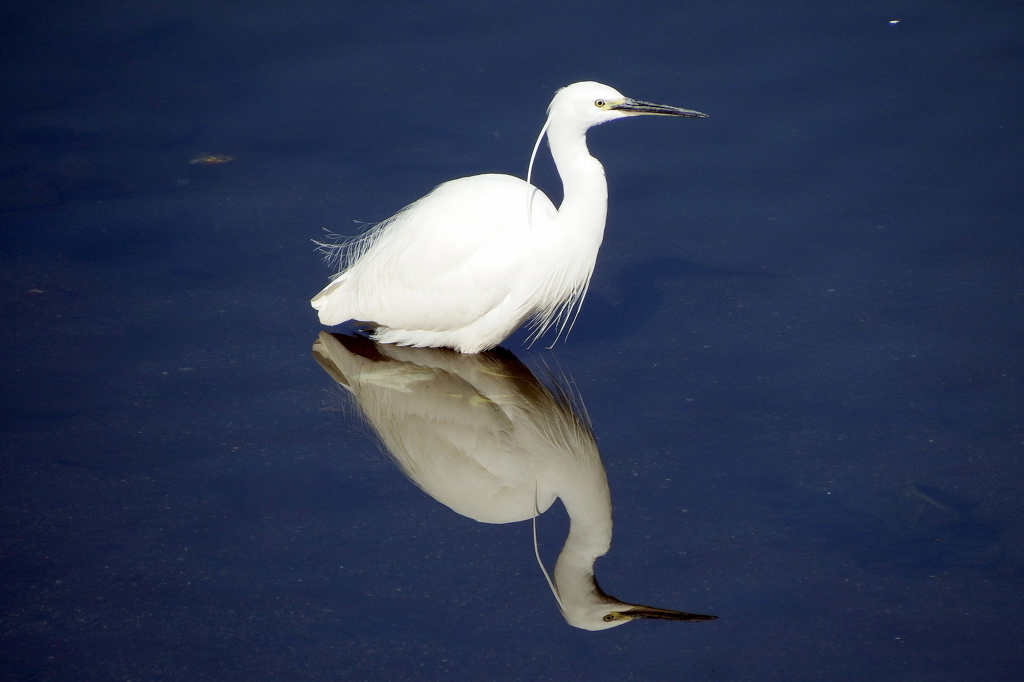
(329, 302)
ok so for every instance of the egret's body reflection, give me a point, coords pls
(482, 436)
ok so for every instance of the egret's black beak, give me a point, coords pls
(636, 107)
(662, 614)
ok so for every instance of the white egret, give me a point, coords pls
(467, 264)
(482, 436)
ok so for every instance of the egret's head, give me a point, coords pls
(589, 104)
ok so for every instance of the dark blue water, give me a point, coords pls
(801, 353)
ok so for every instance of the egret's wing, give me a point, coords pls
(442, 262)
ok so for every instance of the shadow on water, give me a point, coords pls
(642, 288)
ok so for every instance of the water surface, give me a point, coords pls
(801, 352)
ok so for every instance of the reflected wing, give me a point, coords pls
(455, 443)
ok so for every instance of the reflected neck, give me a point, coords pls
(589, 506)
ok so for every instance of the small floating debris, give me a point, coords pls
(212, 159)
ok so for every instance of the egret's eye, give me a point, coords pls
(600, 105)
(609, 618)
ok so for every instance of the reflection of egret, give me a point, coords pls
(482, 436)
(467, 264)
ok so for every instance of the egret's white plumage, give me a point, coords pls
(481, 435)
(467, 264)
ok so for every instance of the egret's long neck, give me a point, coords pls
(584, 187)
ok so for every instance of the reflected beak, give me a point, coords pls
(635, 107)
(662, 614)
